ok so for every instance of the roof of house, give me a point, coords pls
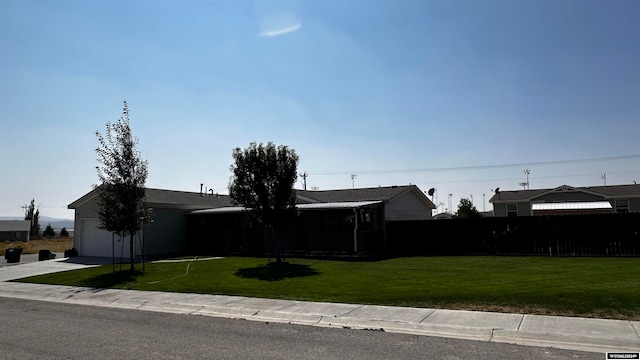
(207, 201)
(170, 197)
(158, 196)
(445, 215)
(362, 194)
(15, 225)
(611, 191)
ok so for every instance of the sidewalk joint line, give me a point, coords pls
(426, 317)
(350, 311)
(520, 323)
(634, 329)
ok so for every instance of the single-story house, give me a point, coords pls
(565, 200)
(15, 230)
(345, 221)
(165, 235)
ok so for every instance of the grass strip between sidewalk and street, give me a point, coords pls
(587, 287)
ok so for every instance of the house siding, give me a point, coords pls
(499, 209)
(524, 209)
(166, 234)
(634, 205)
(407, 206)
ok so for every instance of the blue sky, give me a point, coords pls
(397, 92)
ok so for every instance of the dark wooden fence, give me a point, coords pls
(563, 235)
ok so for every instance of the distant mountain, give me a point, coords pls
(56, 223)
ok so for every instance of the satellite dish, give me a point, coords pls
(431, 191)
(497, 190)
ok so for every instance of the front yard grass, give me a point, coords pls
(588, 287)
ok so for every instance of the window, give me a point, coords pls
(622, 206)
(512, 210)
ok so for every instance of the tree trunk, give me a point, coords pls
(276, 240)
(131, 252)
(141, 241)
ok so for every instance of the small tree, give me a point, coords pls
(64, 233)
(466, 210)
(262, 179)
(122, 174)
(49, 232)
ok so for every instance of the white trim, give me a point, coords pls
(314, 206)
(572, 205)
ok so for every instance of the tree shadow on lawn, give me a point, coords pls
(276, 271)
(109, 280)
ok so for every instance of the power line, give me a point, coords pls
(479, 167)
(494, 180)
(533, 177)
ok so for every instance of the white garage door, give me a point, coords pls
(97, 242)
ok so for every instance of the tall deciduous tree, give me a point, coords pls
(32, 214)
(466, 210)
(262, 180)
(122, 173)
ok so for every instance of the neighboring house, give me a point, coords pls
(165, 235)
(348, 222)
(567, 200)
(14, 230)
(445, 216)
(400, 202)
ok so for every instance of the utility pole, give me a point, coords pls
(353, 180)
(526, 183)
(304, 176)
(604, 177)
(484, 209)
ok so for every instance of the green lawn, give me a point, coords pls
(593, 287)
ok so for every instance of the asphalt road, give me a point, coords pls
(38, 330)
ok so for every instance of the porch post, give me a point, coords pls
(355, 231)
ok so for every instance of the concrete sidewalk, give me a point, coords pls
(594, 335)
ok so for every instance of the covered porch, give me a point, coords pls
(338, 229)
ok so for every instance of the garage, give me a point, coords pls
(97, 242)
(165, 236)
